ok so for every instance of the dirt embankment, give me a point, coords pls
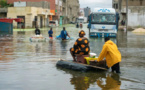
(139, 30)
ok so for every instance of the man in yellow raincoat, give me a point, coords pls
(112, 55)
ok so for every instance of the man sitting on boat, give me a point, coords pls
(37, 31)
(81, 46)
(112, 55)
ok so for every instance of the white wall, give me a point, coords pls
(136, 17)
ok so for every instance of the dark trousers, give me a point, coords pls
(116, 68)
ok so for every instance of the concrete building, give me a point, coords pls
(33, 14)
(70, 10)
(58, 11)
(136, 11)
(40, 12)
(82, 13)
(87, 11)
(51, 3)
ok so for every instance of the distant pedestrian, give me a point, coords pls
(50, 32)
(81, 25)
(117, 20)
(123, 22)
(77, 26)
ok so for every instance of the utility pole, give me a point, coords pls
(66, 7)
(126, 15)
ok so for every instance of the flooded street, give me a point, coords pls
(26, 65)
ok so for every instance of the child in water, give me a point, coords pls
(50, 33)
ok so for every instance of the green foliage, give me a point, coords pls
(3, 4)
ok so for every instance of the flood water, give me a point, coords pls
(26, 65)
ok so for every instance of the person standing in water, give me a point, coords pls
(111, 53)
(64, 34)
(50, 32)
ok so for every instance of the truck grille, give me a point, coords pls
(103, 30)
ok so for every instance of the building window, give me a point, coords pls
(115, 6)
(64, 1)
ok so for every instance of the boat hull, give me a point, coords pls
(78, 66)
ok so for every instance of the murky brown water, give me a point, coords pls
(26, 65)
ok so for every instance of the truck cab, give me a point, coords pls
(103, 23)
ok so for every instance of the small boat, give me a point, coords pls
(67, 38)
(37, 38)
(69, 64)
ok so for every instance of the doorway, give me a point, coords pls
(22, 23)
(41, 21)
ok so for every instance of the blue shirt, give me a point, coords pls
(50, 33)
(63, 34)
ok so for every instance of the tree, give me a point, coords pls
(3, 4)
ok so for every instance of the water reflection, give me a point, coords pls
(38, 47)
(63, 45)
(6, 47)
(20, 37)
(52, 47)
(110, 82)
(88, 80)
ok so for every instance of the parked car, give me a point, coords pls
(53, 23)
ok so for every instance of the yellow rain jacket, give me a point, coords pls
(111, 53)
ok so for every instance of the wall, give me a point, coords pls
(72, 10)
(133, 3)
(136, 16)
(87, 11)
(52, 2)
(6, 28)
(42, 4)
(136, 12)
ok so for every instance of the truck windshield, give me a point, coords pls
(103, 19)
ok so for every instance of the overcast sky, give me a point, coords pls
(95, 3)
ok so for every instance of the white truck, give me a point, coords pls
(81, 19)
(103, 22)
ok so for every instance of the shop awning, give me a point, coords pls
(7, 20)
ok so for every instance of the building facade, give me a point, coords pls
(70, 10)
(34, 14)
(40, 12)
(87, 11)
(51, 2)
(81, 13)
(58, 11)
(136, 11)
